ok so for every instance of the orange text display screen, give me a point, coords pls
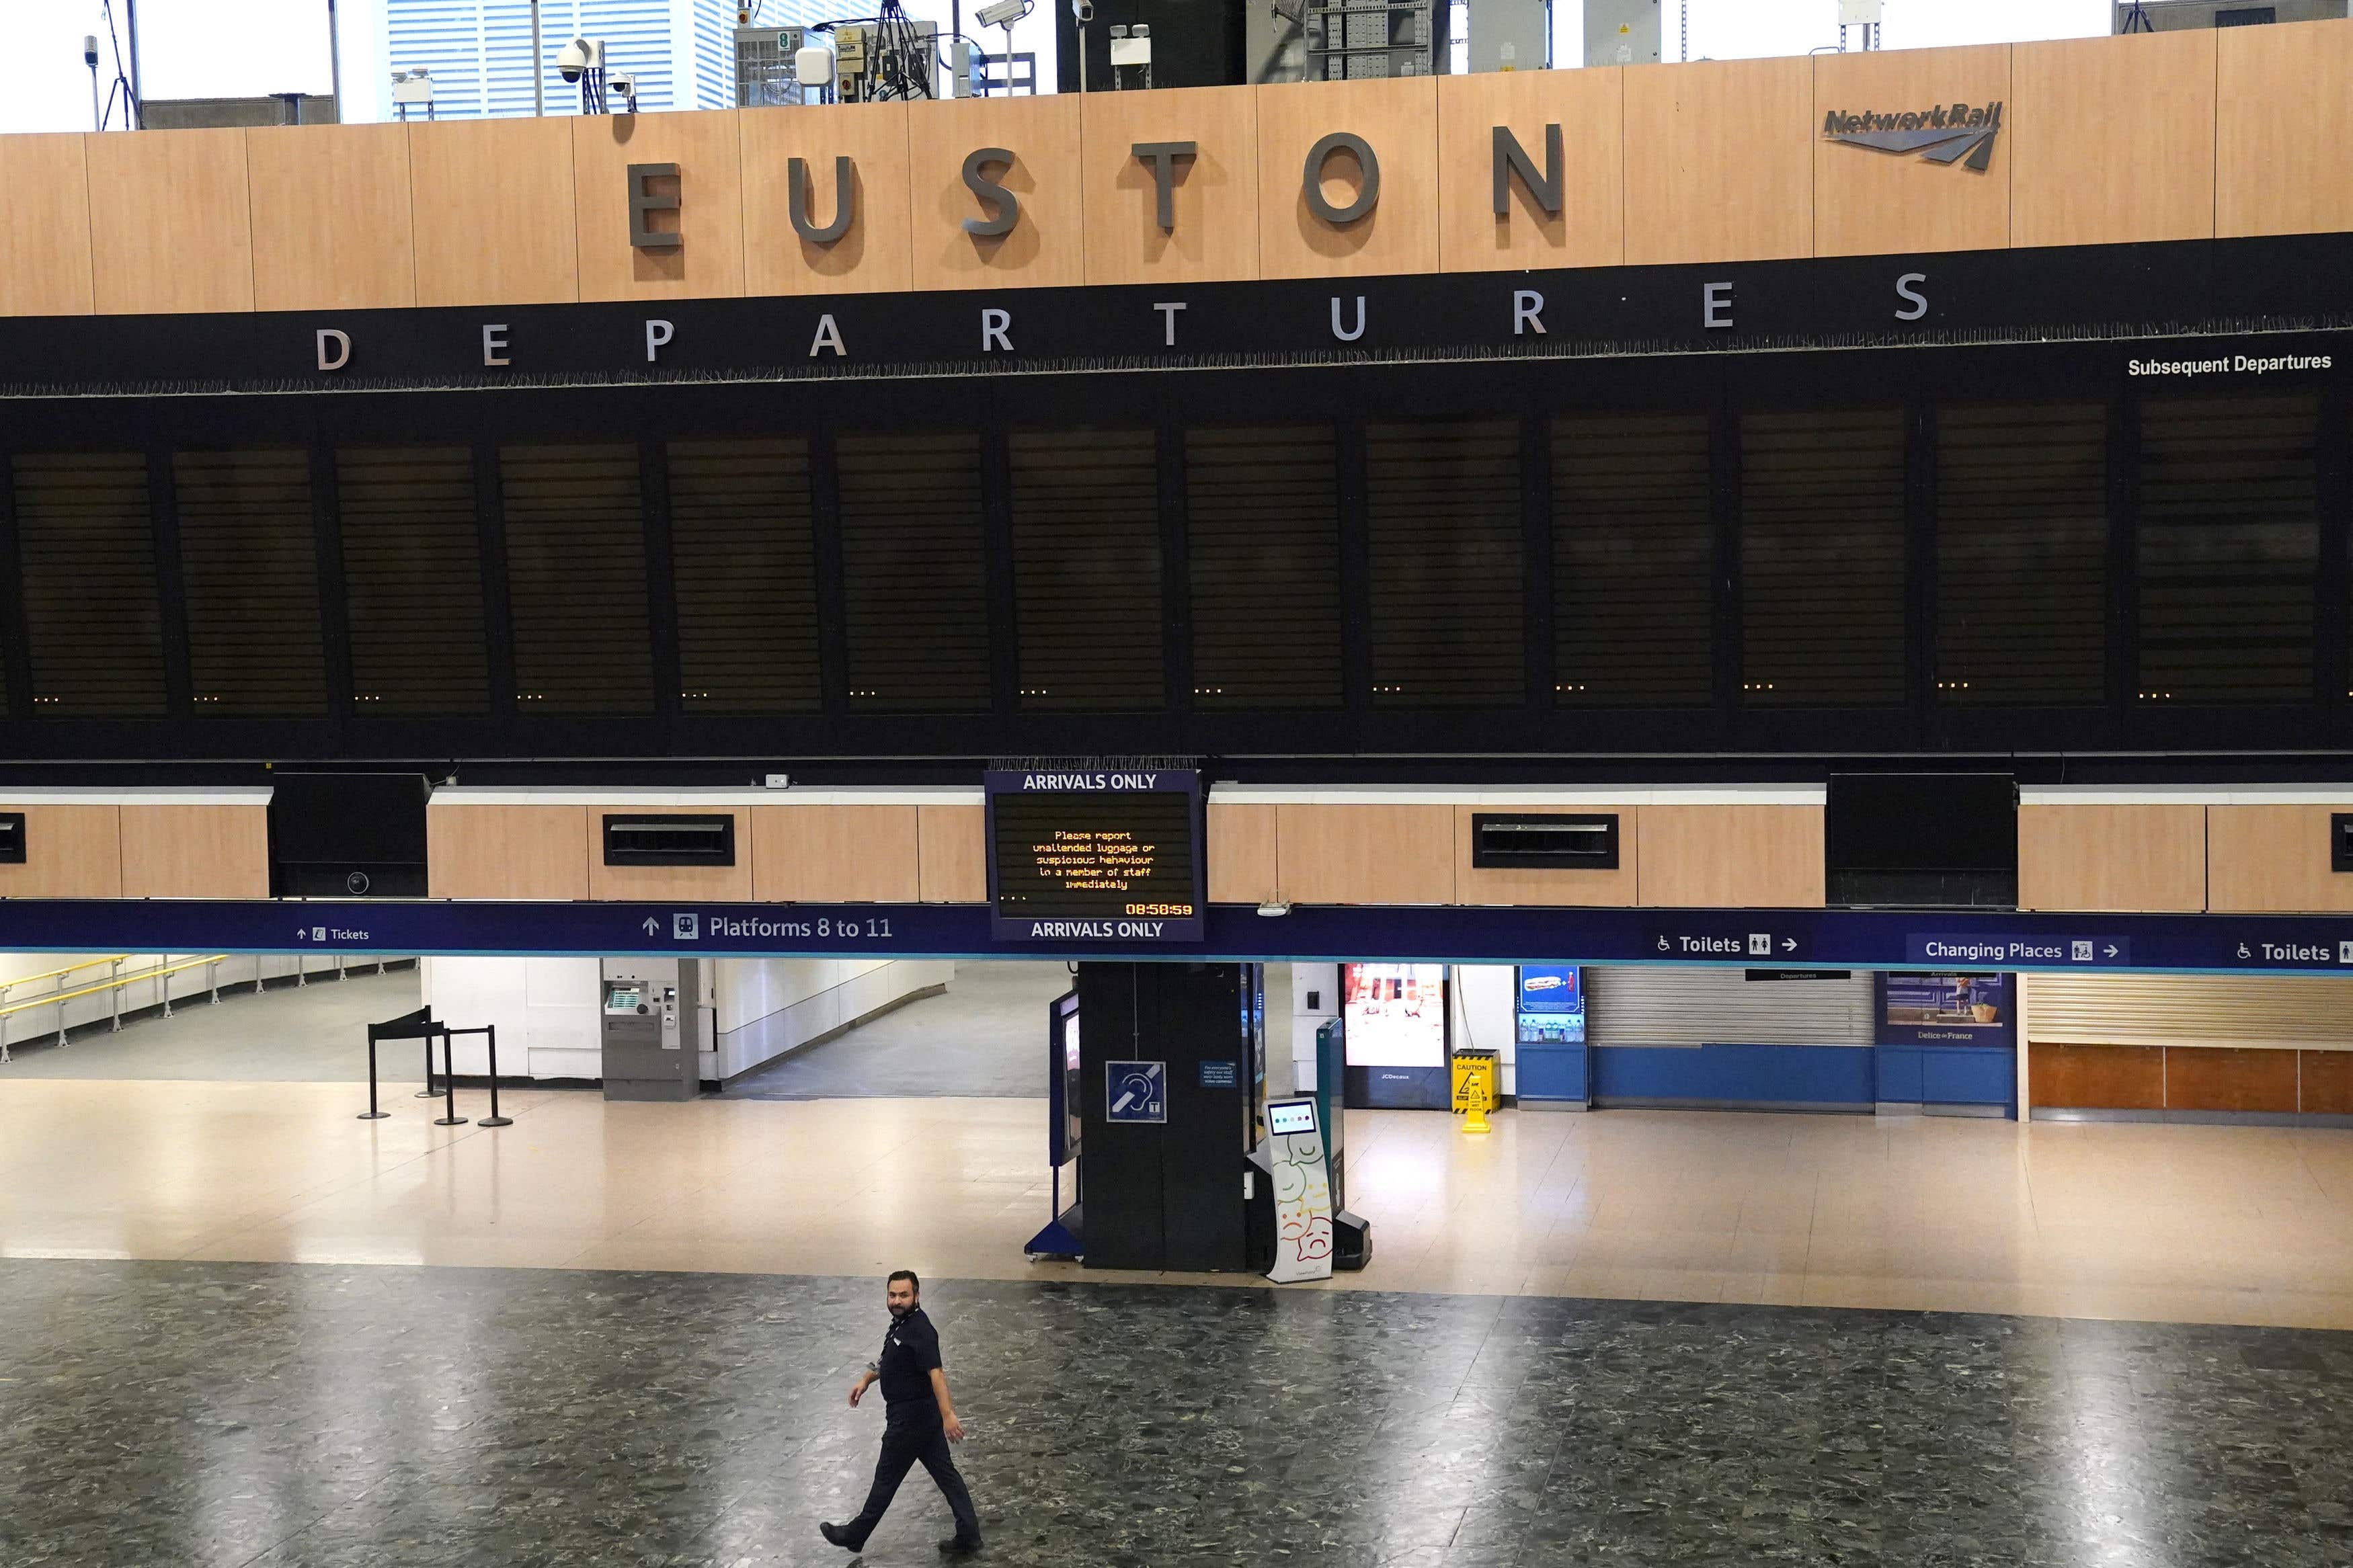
(1095, 856)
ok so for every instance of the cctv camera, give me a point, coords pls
(1003, 13)
(578, 56)
(625, 84)
(1082, 11)
(89, 49)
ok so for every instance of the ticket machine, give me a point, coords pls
(652, 1025)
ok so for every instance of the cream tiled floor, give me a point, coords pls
(2195, 1223)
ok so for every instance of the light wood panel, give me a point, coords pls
(1868, 203)
(953, 842)
(1398, 120)
(2283, 121)
(1719, 161)
(1616, 888)
(630, 884)
(2221, 1078)
(1367, 853)
(493, 203)
(71, 852)
(1730, 856)
(2113, 139)
(2097, 1077)
(810, 854)
(196, 851)
(1213, 198)
(1047, 247)
(1244, 866)
(45, 243)
(705, 146)
(170, 224)
(876, 256)
(332, 206)
(1589, 107)
(2273, 858)
(507, 852)
(2112, 858)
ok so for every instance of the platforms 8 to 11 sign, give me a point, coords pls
(1096, 855)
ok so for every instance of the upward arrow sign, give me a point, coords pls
(651, 925)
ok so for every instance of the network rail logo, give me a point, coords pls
(1958, 133)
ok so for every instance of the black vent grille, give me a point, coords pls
(250, 555)
(1633, 553)
(413, 577)
(914, 572)
(2021, 553)
(742, 541)
(94, 631)
(1086, 568)
(576, 579)
(1262, 523)
(1821, 541)
(2229, 538)
(1443, 522)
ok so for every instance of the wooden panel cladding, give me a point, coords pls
(1213, 195)
(171, 223)
(2325, 1085)
(2124, 858)
(1244, 868)
(709, 263)
(872, 255)
(1719, 161)
(952, 844)
(196, 851)
(45, 262)
(1367, 853)
(2112, 141)
(1043, 248)
(493, 208)
(2281, 115)
(331, 204)
(1868, 203)
(1589, 230)
(1398, 120)
(1615, 889)
(2273, 859)
(2222, 1079)
(861, 854)
(507, 852)
(2105, 1077)
(626, 884)
(71, 852)
(1729, 856)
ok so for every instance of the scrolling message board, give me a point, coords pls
(1096, 856)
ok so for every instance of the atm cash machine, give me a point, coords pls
(654, 1027)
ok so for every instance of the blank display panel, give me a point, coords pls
(1443, 519)
(576, 578)
(1263, 526)
(742, 541)
(94, 630)
(1633, 552)
(249, 557)
(914, 575)
(2230, 537)
(413, 579)
(2021, 553)
(1086, 568)
(1822, 553)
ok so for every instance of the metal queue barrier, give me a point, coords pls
(421, 1025)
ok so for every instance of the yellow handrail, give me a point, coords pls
(115, 984)
(6, 985)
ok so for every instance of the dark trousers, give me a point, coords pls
(914, 1435)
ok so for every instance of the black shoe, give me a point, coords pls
(835, 1535)
(957, 1546)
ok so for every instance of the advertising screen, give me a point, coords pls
(1550, 1009)
(1396, 1015)
(1945, 1009)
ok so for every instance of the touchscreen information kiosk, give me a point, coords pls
(1303, 1193)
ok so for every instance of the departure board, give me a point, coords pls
(1096, 855)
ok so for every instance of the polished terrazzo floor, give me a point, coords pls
(309, 1416)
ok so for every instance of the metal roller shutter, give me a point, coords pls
(1822, 553)
(250, 555)
(94, 630)
(413, 576)
(2307, 1012)
(1633, 552)
(1086, 568)
(1442, 514)
(576, 579)
(1724, 1007)
(1262, 529)
(914, 572)
(742, 537)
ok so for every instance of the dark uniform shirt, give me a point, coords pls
(911, 1351)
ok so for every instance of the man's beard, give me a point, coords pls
(899, 1312)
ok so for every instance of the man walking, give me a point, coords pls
(919, 1421)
